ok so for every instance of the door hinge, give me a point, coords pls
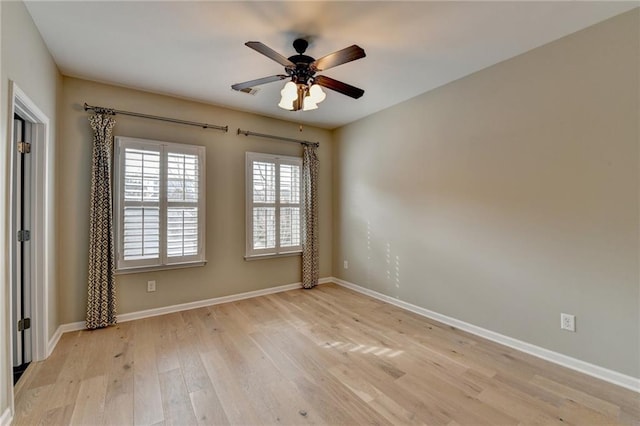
(24, 324)
(24, 235)
(24, 147)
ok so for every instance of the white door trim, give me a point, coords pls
(42, 186)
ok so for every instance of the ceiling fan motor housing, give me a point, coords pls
(302, 72)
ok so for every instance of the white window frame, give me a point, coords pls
(163, 261)
(277, 251)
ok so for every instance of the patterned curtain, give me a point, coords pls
(101, 301)
(310, 268)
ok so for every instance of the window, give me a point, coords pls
(159, 204)
(274, 213)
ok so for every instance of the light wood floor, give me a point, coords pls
(325, 356)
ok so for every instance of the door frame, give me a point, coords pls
(41, 188)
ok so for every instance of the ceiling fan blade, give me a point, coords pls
(259, 81)
(338, 86)
(340, 57)
(269, 53)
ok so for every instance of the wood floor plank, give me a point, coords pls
(89, 406)
(57, 358)
(189, 349)
(176, 403)
(314, 361)
(230, 393)
(526, 410)
(166, 343)
(208, 408)
(384, 405)
(119, 395)
(30, 405)
(119, 410)
(147, 397)
(121, 358)
(59, 416)
(71, 374)
(322, 356)
(606, 408)
(269, 393)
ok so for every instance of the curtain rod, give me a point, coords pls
(111, 111)
(280, 138)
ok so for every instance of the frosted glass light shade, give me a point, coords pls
(289, 94)
(289, 91)
(309, 104)
(316, 94)
(286, 103)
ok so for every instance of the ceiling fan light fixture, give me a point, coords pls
(289, 91)
(286, 103)
(289, 94)
(316, 94)
(302, 92)
(308, 104)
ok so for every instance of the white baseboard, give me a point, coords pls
(53, 341)
(64, 328)
(210, 302)
(605, 374)
(131, 316)
(6, 418)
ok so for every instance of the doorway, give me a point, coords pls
(21, 268)
(31, 240)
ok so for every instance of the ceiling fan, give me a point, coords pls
(303, 90)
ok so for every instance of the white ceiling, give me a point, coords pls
(195, 50)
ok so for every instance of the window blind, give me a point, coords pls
(273, 204)
(160, 203)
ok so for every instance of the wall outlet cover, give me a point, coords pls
(568, 322)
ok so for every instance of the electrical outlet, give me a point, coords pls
(346, 264)
(151, 286)
(568, 322)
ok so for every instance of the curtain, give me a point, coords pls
(101, 300)
(310, 209)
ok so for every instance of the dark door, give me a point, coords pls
(21, 284)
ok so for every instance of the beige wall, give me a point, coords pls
(508, 197)
(26, 61)
(226, 271)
